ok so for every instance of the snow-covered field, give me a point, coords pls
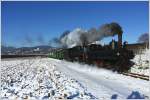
(38, 79)
(46, 78)
(141, 63)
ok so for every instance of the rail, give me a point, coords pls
(26, 55)
(135, 75)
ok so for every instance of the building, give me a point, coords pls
(138, 48)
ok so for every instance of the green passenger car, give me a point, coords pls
(57, 54)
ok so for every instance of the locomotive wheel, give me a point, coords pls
(98, 63)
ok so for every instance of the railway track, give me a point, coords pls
(135, 75)
(23, 56)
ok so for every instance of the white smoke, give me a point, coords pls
(73, 38)
(81, 37)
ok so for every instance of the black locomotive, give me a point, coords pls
(113, 56)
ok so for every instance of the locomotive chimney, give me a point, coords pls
(120, 40)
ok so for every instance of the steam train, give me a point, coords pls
(113, 56)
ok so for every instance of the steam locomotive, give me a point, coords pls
(113, 56)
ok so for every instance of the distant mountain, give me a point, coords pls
(43, 47)
(35, 47)
(5, 50)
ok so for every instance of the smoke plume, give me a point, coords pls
(144, 38)
(28, 40)
(83, 37)
(73, 38)
(40, 39)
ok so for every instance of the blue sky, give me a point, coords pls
(35, 21)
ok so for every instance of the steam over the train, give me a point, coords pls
(113, 56)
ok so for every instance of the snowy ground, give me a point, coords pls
(141, 63)
(46, 78)
(38, 79)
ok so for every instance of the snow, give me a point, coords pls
(37, 79)
(103, 83)
(141, 63)
(47, 78)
